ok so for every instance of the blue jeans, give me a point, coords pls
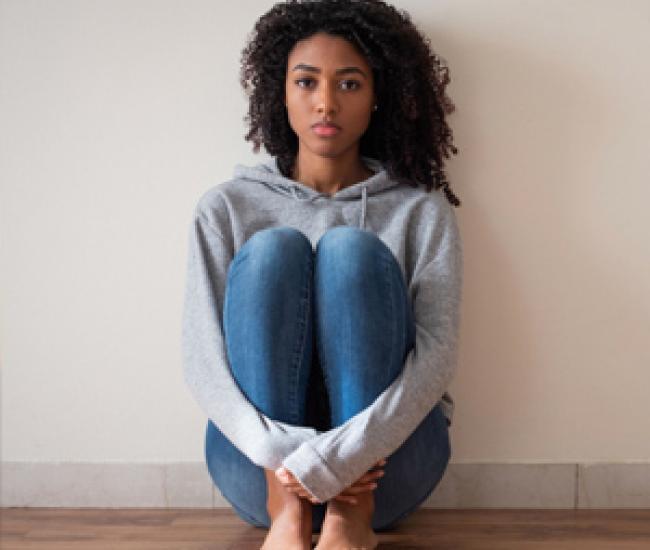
(313, 338)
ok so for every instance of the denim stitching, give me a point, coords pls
(400, 286)
(295, 369)
(321, 357)
(391, 312)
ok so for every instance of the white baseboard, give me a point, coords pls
(188, 485)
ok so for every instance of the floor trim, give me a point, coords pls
(464, 485)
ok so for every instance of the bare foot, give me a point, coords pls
(349, 526)
(287, 533)
(291, 518)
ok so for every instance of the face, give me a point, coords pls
(328, 79)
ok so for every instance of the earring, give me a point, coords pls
(375, 107)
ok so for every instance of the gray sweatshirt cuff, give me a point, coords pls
(313, 473)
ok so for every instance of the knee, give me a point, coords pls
(354, 250)
(275, 244)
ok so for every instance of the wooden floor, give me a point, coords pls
(187, 529)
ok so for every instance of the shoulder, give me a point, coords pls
(432, 225)
(215, 200)
(213, 207)
(426, 208)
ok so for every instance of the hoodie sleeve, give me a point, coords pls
(206, 368)
(331, 461)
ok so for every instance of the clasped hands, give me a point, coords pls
(365, 483)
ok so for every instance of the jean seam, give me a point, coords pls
(321, 354)
(295, 370)
(391, 312)
(409, 315)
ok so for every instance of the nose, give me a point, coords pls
(326, 101)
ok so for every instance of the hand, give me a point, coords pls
(291, 484)
(364, 483)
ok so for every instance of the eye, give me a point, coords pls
(354, 84)
(298, 82)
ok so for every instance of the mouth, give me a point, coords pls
(325, 129)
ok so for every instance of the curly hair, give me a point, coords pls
(408, 133)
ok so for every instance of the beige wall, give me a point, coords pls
(118, 114)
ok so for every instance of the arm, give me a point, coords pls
(333, 460)
(205, 363)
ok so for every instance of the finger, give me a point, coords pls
(309, 497)
(355, 490)
(288, 482)
(286, 477)
(282, 473)
(366, 479)
(350, 500)
(293, 484)
(371, 476)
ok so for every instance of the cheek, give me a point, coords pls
(364, 114)
(295, 105)
(293, 115)
(297, 122)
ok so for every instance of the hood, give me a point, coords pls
(268, 174)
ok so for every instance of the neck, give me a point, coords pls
(329, 175)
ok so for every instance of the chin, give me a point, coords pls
(330, 149)
(326, 151)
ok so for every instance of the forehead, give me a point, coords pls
(324, 50)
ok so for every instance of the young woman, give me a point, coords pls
(323, 290)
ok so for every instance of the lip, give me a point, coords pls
(326, 128)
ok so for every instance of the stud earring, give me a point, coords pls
(375, 107)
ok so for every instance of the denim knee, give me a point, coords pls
(344, 237)
(276, 241)
(353, 250)
(278, 237)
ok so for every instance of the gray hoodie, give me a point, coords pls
(420, 229)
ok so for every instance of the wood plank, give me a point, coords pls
(435, 529)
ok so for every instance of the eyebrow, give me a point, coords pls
(343, 70)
